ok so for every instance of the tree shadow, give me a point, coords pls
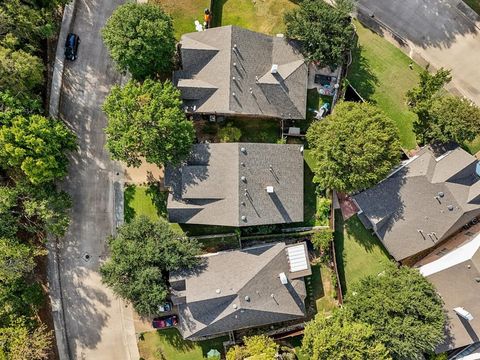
(159, 198)
(339, 239)
(360, 74)
(129, 195)
(173, 338)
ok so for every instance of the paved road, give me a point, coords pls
(445, 33)
(98, 325)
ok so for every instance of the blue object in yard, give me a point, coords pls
(326, 106)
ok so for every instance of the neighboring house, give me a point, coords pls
(233, 71)
(234, 290)
(422, 203)
(237, 184)
(456, 275)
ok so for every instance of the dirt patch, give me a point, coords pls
(145, 174)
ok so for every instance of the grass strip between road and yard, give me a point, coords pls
(381, 74)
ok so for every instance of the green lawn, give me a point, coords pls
(264, 16)
(474, 4)
(320, 290)
(380, 73)
(184, 13)
(169, 345)
(257, 130)
(358, 252)
(314, 102)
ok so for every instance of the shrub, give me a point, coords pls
(229, 133)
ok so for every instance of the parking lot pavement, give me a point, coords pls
(444, 33)
(98, 325)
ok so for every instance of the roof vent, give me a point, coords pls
(218, 291)
(463, 313)
(450, 207)
(243, 150)
(243, 178)
(301, 149)
(274, 69)
(234, 64)
(243, 203)
(233, 94)
(235, 306)
(244, 218)
(234, 78)
(283, 278)
(441, 194)
(247, 298)
(477, 279)
(270, 189)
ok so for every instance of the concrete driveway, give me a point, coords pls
(444, 33)
(98, 325)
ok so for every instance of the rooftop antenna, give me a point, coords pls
(256, 79)
(421, 233)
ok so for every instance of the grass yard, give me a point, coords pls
(169, 345)
(184, 13)
(257, 130)
(474, 4)
(358, 252)
(320, 292)
(314, 102)
(264, 16)
(380, 73)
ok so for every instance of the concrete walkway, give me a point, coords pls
(97, 325)
(444, 33)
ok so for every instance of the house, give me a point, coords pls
(456, 276)
(237, 184)
(234, 290)
(422, 203)
(233, 71)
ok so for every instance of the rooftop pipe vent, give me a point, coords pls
(243, 150)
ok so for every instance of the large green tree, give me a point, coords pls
(16, 260)
(353, 148)
(326, 31)
(18, 342)
(403, 309)
(142, 254)
(147, 120)
(259, 347)
(340, 337)
(37, 145)
(20, 72)
(140, 39)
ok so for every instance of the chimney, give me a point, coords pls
(270, 189)
(274, 69)
(283, 278)
(460, 311)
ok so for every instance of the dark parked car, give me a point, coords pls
(165, 322)
(71, 46)
(165, 307)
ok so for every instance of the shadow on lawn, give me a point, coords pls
(173, 338)
(129, 195)
(159, 199)
(339, 238)
(361, 76)
(217, 12)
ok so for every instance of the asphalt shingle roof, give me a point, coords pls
(225, 184)
(237, 64)
(424, 202)
(239, 289)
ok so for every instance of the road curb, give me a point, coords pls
(54, 284)
(57, 77)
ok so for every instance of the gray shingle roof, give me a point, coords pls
(221, 185)
(236, 63)
(456, 277)
(434, 195)
(239, 289)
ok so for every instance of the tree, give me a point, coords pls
(16, 260)
(17, 342)
(13, 106)
(326, 32)
(140, 39)
(259, 347)
(143, 252)
(340, 337)
(37, 146)
(353, 148)
(147, 120)
(420, 98)
(229, 133)
(20, 72)
(403, 309)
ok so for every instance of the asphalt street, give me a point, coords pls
(98, 325)
(444, 33)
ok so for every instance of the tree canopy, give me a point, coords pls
(142, 253)
(404, 310)
(353, 148)
(36, 145)
(326, 32)
(340, 337)
(140, 39)
(147, 120)
(259, 347)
